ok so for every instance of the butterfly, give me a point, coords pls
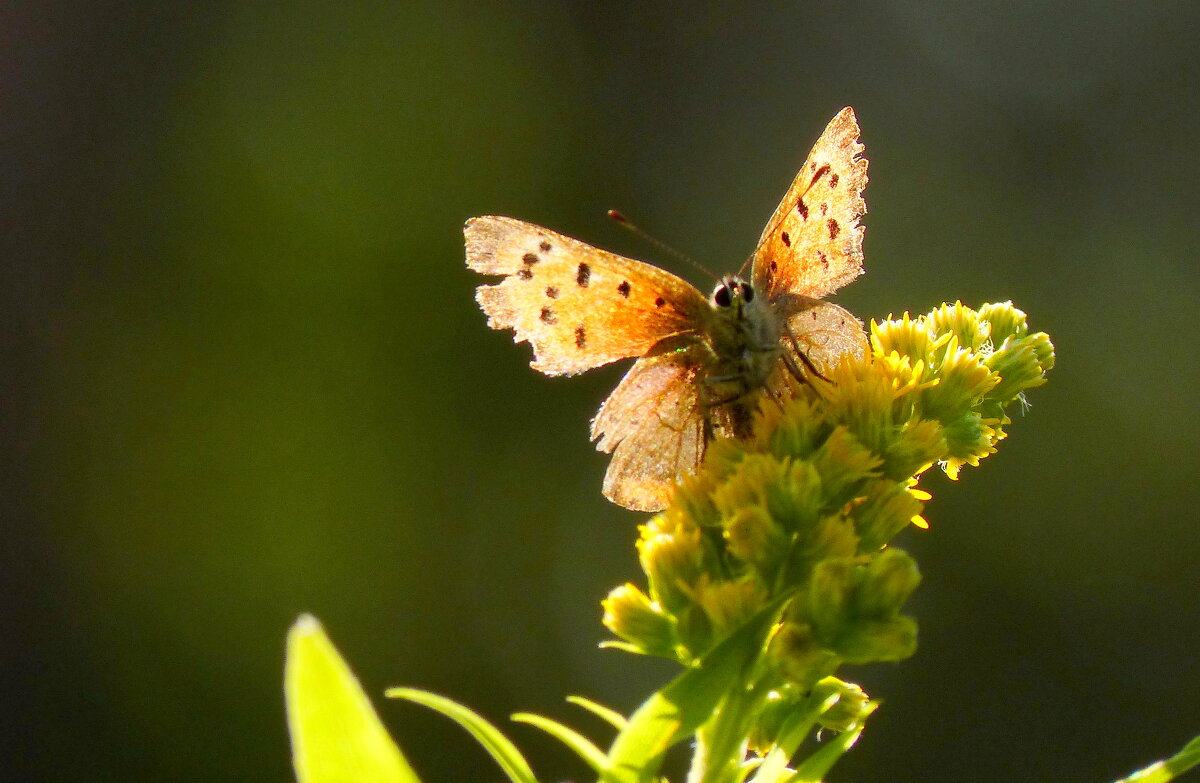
(703, 363)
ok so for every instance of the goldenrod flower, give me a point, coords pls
(802, 514)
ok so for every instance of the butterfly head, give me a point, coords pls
(732, 293)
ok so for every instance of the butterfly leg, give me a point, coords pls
(707, 406)
(775, 396)
(791, 365)
(727, 410)
(794, 369)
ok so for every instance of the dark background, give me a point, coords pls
(244, 375)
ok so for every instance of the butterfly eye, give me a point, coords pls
(747, 293)
(722, 297)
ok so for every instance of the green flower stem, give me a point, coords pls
(721, 743)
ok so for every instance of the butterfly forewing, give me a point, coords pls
(579, 307)
(812, 245)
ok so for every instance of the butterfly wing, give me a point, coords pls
(653, 425)
(823, 332)
(812, 245)
(578, 307)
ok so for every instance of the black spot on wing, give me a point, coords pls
(544, 247)
(551, 292)
(624, 288)
(583, 275)
(548, 316)
(580, 337)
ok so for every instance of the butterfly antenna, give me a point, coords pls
(624, 222)
(745, 265)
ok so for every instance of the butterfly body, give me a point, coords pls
(704, 364)
(742, 350)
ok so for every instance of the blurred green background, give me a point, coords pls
(244, 375)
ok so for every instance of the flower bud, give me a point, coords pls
(885, 584)
(887, 508)
(845, 704)
(1004, 319)
(1018, 366)
(964, 323)
(904, 337)
(632, 616)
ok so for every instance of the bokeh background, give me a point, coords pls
(244, 375)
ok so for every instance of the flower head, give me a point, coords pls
(803, 513)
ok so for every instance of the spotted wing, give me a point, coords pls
(578, 307)
(812, 245)
(654, 427)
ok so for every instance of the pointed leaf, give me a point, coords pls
(1162, 771)
(500, 747)
(583, 747)
(609, 716)
(336, 734)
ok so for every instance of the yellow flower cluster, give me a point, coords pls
(802, 513)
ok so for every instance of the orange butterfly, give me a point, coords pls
(703, 364)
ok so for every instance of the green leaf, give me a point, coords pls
(609, 716)
(501, 749)
(583, 747)
(336, 734)
(688, 701)
(1162, 771)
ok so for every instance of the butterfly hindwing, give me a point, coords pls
(812, 245)
(654, 426)
(579, 307)
(822, 331)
